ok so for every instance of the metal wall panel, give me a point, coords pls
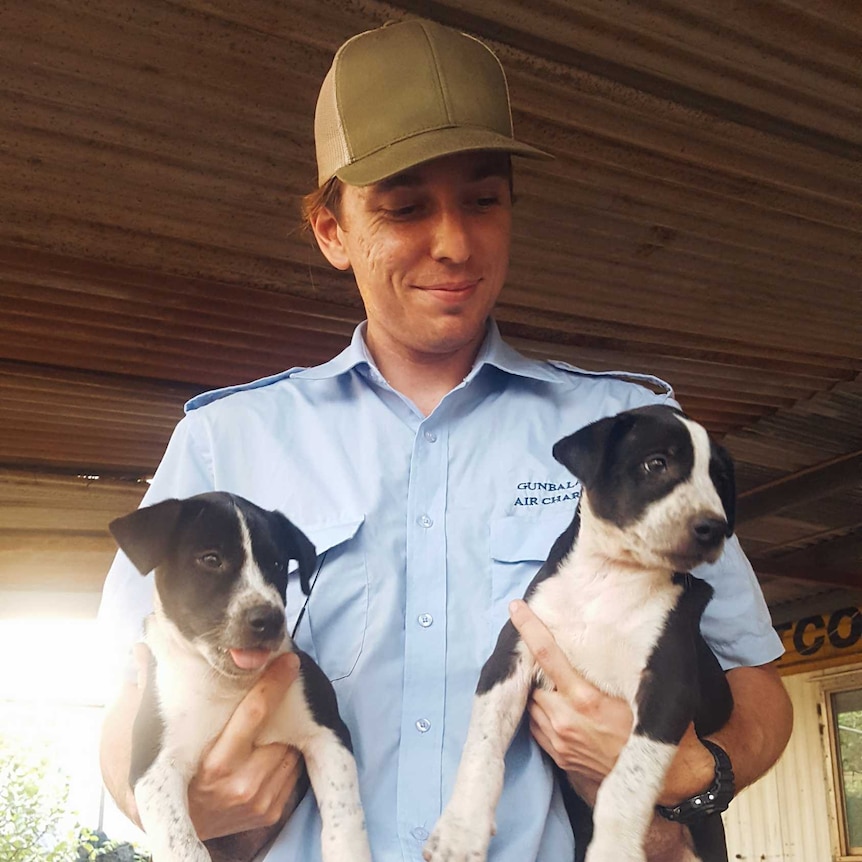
(785, 817)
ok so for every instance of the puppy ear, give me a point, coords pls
(145, 535)
(582, 453)
(299, 548)
(723, 475)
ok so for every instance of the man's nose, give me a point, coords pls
(451, 238)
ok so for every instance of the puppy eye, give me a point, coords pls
(656, 464)
(210, 560)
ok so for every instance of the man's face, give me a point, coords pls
(429, 249)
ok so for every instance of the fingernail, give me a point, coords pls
(515, 606)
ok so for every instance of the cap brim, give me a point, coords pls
(414, 151)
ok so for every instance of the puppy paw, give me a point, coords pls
(456, 840)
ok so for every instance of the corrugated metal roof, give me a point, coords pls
(702, 220)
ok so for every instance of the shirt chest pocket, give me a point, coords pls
(519, 546)
(335, 617)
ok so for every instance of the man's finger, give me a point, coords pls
(142, 656)
(545, 743)
(235, 742)
(539, 640)
(281, 781)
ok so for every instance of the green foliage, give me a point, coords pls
(850, 745)
(96, 847)
(34, 822)
(850, 736)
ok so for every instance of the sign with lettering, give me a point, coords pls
(821, 640)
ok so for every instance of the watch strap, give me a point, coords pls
(714, 799)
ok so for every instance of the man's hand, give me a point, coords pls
(581, 728)
(240, 786)
(584, 730)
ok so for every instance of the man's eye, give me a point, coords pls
(654, 465)
(487, 201)
(405, 212)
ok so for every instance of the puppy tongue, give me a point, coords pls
(250, 659)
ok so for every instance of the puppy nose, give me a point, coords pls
(709, 531)
(264, 620)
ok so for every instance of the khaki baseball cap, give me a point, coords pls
(406, 93)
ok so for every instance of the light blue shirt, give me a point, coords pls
(425, 527)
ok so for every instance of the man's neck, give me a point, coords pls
(424, 378)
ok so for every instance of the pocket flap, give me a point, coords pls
(324, 537)
(515, 538)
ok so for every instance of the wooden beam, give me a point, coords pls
(846, 578)
(821, 480)
(837, 562)
(55, 562)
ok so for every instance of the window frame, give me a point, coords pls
(841, 838)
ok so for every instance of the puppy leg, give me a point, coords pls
(464, 830)
(625, 803)
(161, 795)
(332, 771)
(308, 719)
(663, 707)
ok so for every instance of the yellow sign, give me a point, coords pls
(821, 640)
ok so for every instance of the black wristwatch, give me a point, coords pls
(713, 800)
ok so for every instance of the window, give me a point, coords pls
(843, 722)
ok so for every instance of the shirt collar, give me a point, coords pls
(499, 354)
(354, 355)
(494, 351)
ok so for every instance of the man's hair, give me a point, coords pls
(328, 196)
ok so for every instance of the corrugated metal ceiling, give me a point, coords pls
(702, 221)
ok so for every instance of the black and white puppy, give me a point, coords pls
(658, 499)
(221, 567)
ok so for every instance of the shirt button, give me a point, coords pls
(425, 620)
(424, 521)
(419, 833)
(430, 436)
(423, 725)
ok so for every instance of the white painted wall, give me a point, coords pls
(786, 816)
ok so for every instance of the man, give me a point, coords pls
(411, 460)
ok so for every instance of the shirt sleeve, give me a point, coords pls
(127, 596)
(736, 622)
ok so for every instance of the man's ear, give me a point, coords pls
(330, 237)
(145, 535)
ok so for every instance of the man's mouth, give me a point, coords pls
(451, 291)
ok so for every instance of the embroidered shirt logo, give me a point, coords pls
(547, 493)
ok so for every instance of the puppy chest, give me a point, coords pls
(193, 712)
(607, 628)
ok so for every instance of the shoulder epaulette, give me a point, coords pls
(216, 394)
(650, 381)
